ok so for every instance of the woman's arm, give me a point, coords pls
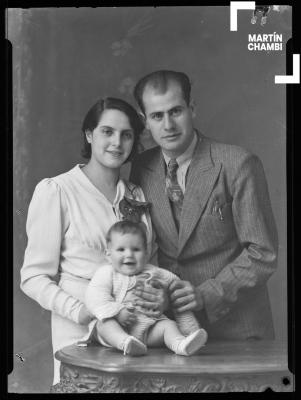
(46, 224)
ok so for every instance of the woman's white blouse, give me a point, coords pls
(68, 218)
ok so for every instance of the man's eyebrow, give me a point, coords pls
(176, 107)
(171, 109)
(156, 112)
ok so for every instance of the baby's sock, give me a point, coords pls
(191, 344)
(186, 322)
(133, 347)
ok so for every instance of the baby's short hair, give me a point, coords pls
(124, 227)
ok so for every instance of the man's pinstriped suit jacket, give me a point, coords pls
(227, 242)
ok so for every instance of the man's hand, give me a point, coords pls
(153, 299)
(184, 297)
(84, 316)
(126, 316)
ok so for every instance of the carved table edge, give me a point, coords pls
(84, 380)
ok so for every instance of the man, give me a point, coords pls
(211, 213)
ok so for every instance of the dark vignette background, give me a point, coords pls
(65, 59)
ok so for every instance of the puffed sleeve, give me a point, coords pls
(47, 221)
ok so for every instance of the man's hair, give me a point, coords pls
(124, 227)
(159, 80)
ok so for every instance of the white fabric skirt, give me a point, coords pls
(64, 331)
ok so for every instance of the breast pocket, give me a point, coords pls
(219, 208)
(223, 212)
(217, 223)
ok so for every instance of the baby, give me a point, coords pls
(110, 298)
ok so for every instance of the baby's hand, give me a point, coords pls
(126, 316)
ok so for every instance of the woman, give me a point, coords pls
(70, 214)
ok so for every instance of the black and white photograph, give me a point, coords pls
(150, 213)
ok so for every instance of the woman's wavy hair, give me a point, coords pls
(93, 116)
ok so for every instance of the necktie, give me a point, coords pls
(173, 188)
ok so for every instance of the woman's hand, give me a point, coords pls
(152, 298)
(126, 316)
(184, 297)
(84, 316)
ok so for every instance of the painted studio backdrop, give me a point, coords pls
(64, 59)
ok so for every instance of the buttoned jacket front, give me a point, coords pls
(227, 240)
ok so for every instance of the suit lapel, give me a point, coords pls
(160, 200)
(201, 178)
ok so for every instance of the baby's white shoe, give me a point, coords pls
(133, 347)
(192, 343)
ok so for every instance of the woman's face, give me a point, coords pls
(112, 140)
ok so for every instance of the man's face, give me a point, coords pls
(169, 119)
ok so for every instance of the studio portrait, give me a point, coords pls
(149, 199)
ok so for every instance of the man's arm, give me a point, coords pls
(256, 231)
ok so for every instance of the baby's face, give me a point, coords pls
(127, 253)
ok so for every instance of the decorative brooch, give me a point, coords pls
(132, 210)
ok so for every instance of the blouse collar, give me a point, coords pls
(84, 179)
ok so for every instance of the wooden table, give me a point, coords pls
(220, 367)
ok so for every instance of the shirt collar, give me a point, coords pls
(187, 155)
